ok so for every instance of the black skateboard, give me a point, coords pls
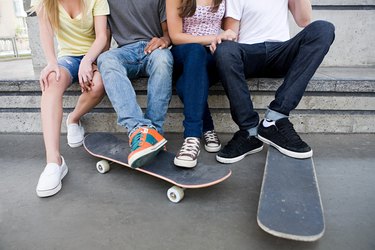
(290, 205)
(111, 148)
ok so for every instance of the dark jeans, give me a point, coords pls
(296, 60)
(194, 72)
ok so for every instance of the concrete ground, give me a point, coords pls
(125, 209)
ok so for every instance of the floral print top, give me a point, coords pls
(204, 22)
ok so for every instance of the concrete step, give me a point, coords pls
(338, 100)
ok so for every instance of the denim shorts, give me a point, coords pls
(71, 64)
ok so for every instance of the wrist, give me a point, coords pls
(166, 40)
(88, 59)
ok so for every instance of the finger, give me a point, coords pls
(57, 74)
(83, 89)
(80, 80)
(148, 45)
(90, 76)
(41, 84)
(87, 86)
(213, 47)
(151, 45)
(45, 82)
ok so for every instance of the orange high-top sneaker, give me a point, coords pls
(145, 143)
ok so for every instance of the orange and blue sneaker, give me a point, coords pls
(145, 143)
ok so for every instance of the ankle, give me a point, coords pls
(55, 159)
(72, 119)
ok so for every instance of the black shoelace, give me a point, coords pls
(288, 131)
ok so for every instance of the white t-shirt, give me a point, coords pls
(260, 20)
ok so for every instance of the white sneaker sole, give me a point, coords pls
(185, 163)
(212, 149)
(145, 153)
(75, 144)
(53, 191)
(286, 151)
(238, 158)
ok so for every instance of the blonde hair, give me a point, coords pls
(51, 11)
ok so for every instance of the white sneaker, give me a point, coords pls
(188, 154)
(211, 141)
(50, 180)
(75, 133)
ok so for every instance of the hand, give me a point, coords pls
(156, 43)
(228, 35)
(43, 80)
(85, 74)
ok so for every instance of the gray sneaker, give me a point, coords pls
(211, 141)
(188, 154)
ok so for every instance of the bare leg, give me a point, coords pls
(88, 100)
(51, 112)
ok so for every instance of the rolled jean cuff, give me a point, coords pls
(253, 131)
(273, 115)
(134, 129)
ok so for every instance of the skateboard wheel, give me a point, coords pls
(102, 166)
(175, 194)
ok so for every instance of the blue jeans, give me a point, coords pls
(71, 64)
(194, 71)
(117, 66)
(296, 60)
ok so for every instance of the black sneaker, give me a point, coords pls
(238, 147)
(284, 138)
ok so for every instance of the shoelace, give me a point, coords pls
(190, 147)
(238, 139)
(136, 142)
(211, 137)
(289, 132)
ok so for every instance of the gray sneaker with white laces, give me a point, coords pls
(188, 154)
(211, 141)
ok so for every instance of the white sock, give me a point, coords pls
(267, 123)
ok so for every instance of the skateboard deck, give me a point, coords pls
(290, 205)
(111, 148)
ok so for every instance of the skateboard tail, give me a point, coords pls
(290, 204)
(307, 238)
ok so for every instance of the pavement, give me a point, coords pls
(126, 209)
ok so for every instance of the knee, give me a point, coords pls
(54, 87)
(161, 60)
(226, 51)
(323, 31)
(196, 50)
(97, 92)
(107, 61)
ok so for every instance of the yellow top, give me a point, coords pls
(76, 35)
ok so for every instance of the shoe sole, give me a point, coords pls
(141, 158)
(75, 145)
(50, 192)
(212, 149)
(185, 163)
(238, 158)
(287, 152)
